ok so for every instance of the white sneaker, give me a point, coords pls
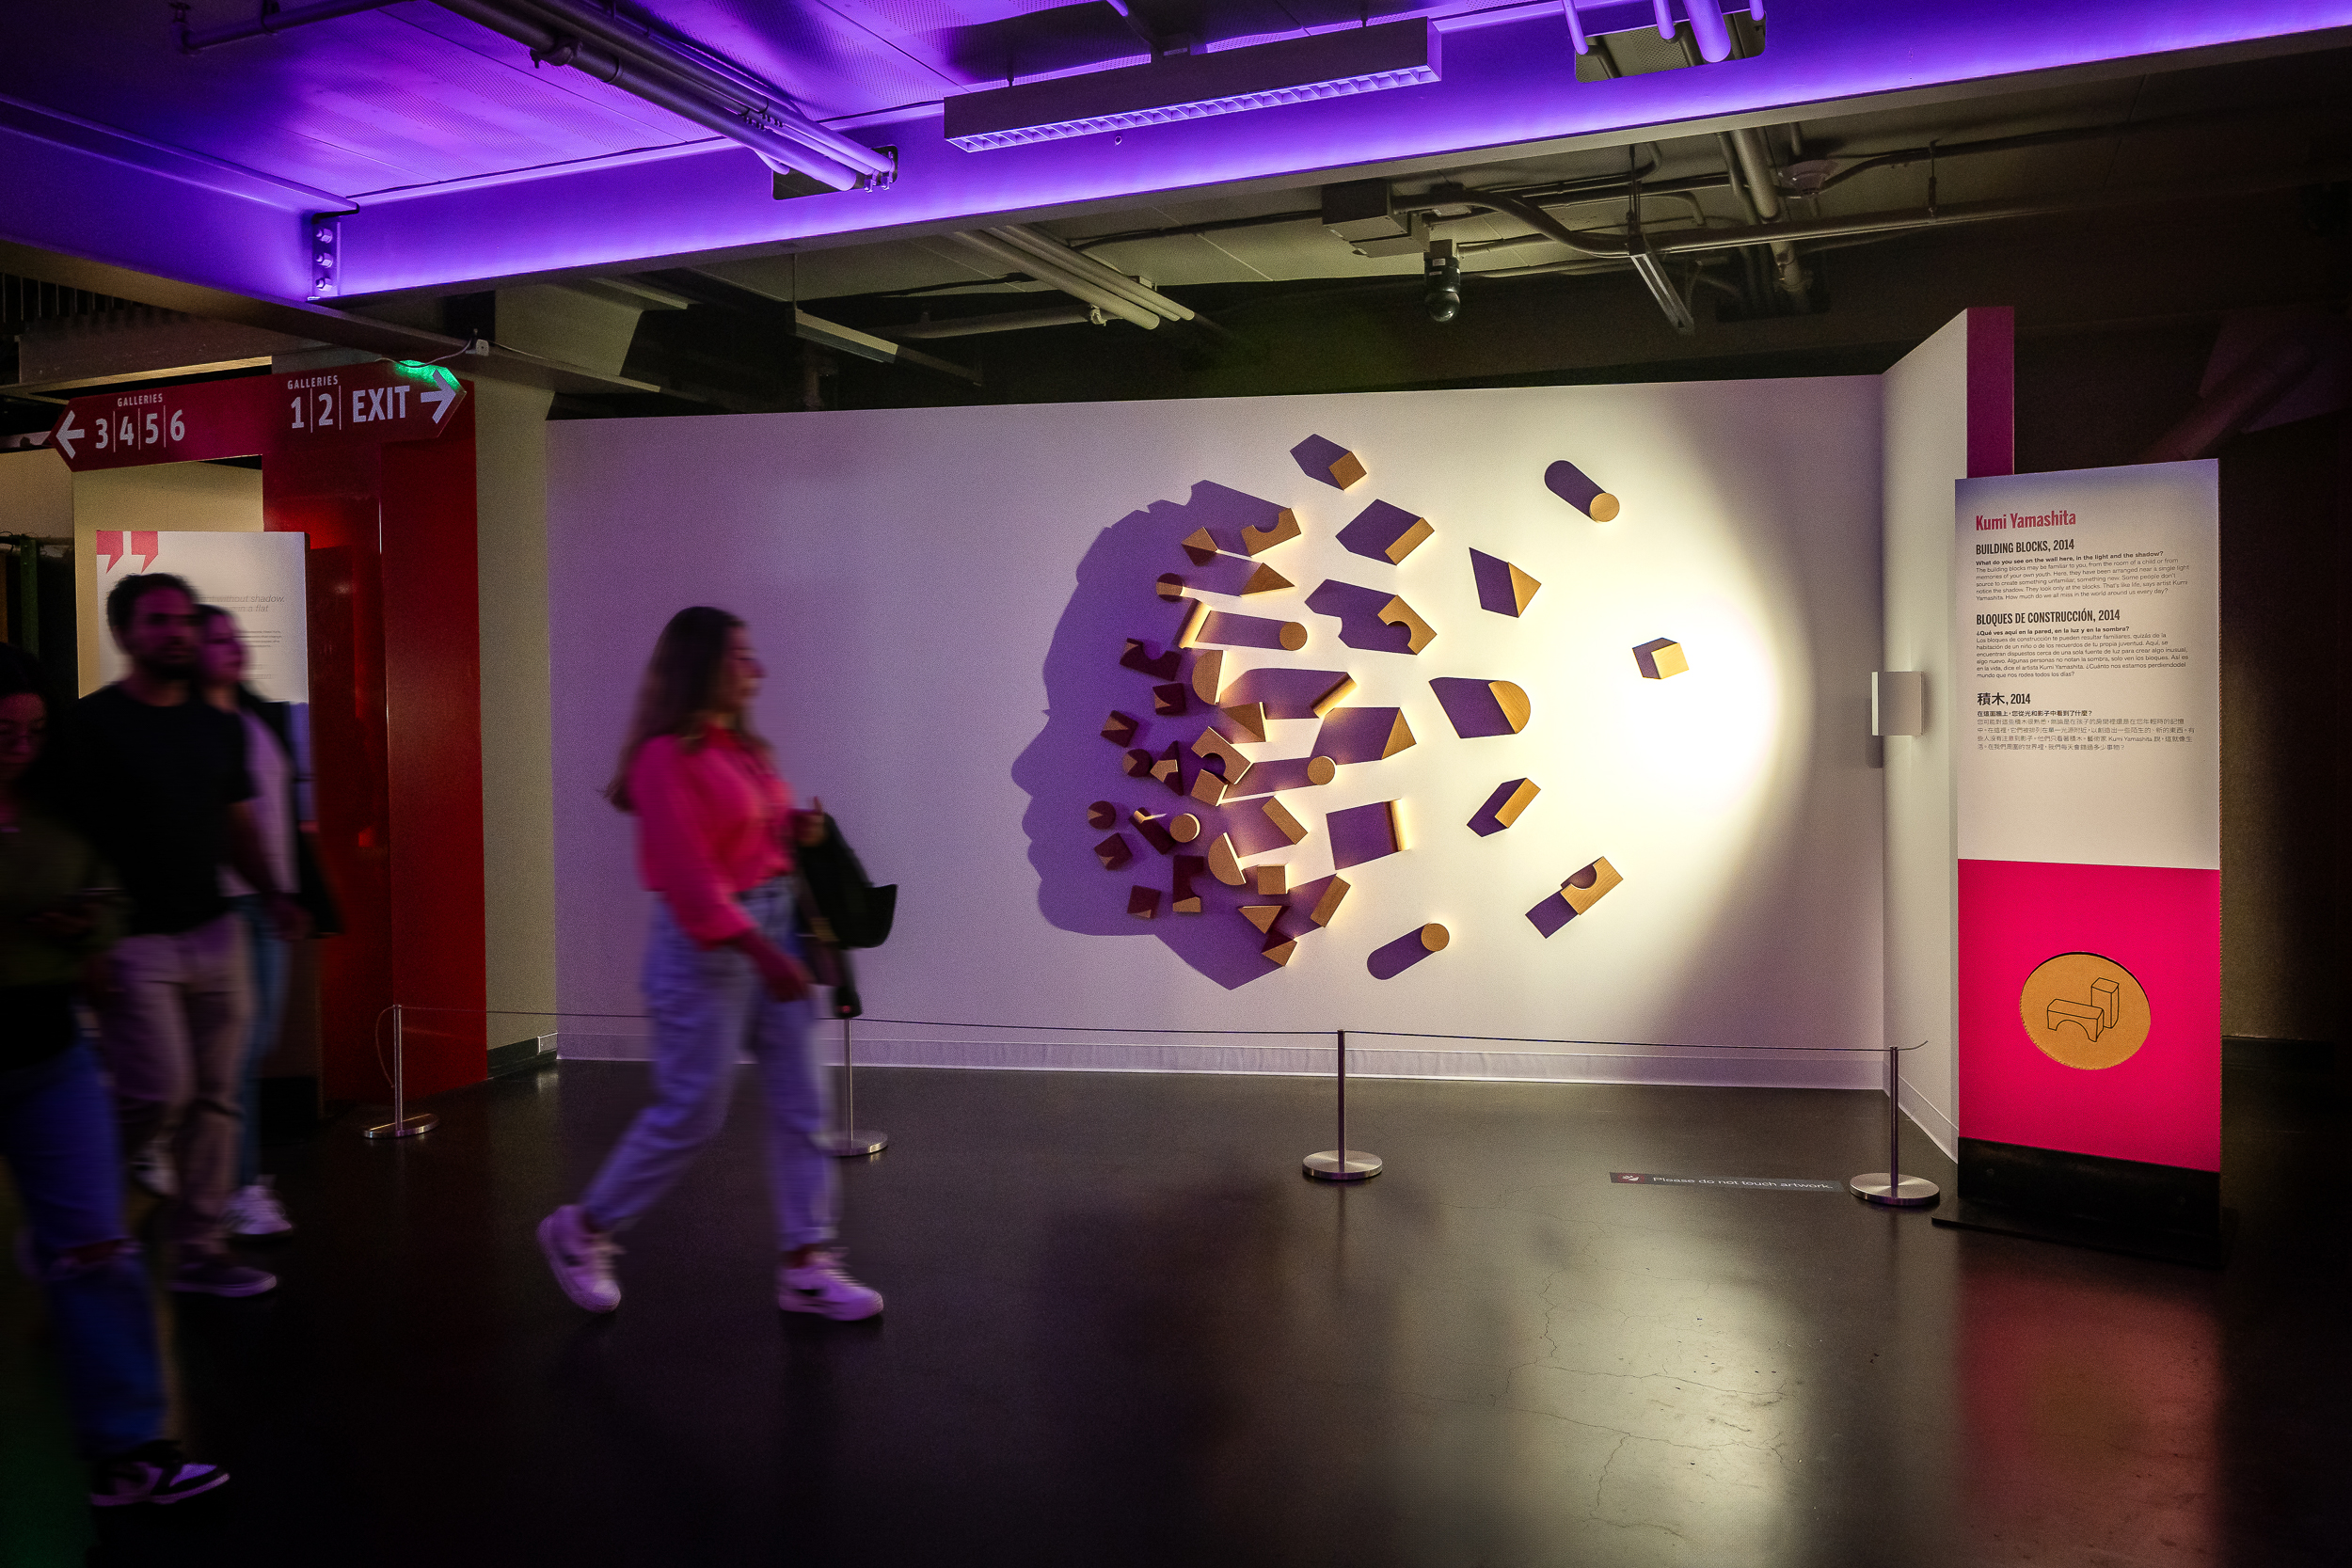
(151, 1169)
(254, 1211)
(821, 1285)
(582, 1259)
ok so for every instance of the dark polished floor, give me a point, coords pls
(1123, 1330)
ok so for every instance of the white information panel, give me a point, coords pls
(258, 578)
(2088, 711)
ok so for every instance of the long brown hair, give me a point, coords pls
(681, 684)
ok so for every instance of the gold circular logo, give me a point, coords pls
(2083, 1010)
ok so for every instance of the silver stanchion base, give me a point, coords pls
(854, 1143)
(408, 1127)
(1917, 1191)
(1331, 1165)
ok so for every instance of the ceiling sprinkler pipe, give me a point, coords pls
(1068, 283)
(1047, 248)
(1664, 11)
(552, 47)
(1007, 320)
(1536, 217)
(768, 105)
(1576, 28)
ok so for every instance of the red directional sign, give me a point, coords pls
(256, 416)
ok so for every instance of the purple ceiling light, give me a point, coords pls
(1194, 87)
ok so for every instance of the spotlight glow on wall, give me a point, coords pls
(1197, 86)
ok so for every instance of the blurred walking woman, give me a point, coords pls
(715, 833)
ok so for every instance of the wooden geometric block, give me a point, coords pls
(1385, 533)
(1119, 728)
(1659, 658)
(1347, 469)
(1277, 948)
(1183, 827)
(1277, 814)
(1266, 579)
(1113, 852)
(1329, 905)
(1250, 717)
(1501, 587)
(1262, 916)
(1514, 704)
(1566, 481)
(1100, 814)
(1523, 793)
(1352, 735)
(1271, 882)
(1243, 631)
(1184, 900)
(1153, 830)
(1333, 698)
(1590, 885)
(1137, 764)
(1396, 612)
(1322, 770)
(1169, 769)
(1196, 614)
(1435, 937)
(1140, 658)
(1257, 541)
(1362, 833)
(1200, 546)
(1171, 586)
(1223, 865)
(1169, 701)
(1208, 788)
(1478, 708)
(1208, 675)
(1214, 747)
(1143, 902)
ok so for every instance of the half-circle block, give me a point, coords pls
(1361, 833)
(1257, 541)
(1479, 709)
(1320, 458)
(1351, 735)
(1169, 586)
(1244, 631)
(1501, 587)
(1660, 657)
(1417, 632)
(1504, 806)
(1113, 852)
(1566, 481)
(1143, 902)
(1385, 533)
(1102, 815)
(1208, 675)
(1223, 864)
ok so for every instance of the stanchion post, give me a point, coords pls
(1342, 1164)
(402, 1125)
(1890, 1188)
(848, 1141)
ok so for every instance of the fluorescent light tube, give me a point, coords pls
(1194, 87)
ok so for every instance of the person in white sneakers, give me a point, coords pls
(716, 828)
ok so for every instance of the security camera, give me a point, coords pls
(1441, 281)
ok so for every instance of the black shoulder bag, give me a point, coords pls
(841, 908)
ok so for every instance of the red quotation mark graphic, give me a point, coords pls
(113, 544)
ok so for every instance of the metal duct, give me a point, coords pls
(547, 44)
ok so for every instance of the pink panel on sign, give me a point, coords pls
(2163, 925)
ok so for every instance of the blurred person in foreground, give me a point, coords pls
(155, 777)
(272, 762)
(716, 828)
(58, 913)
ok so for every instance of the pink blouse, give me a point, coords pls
(711, 822)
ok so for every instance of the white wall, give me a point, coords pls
(185, 498)
(941, 595)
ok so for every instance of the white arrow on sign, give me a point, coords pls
(69, 433)
(440, 398)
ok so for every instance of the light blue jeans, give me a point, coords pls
(266, 952)
(58, 1133)
(708, 1007)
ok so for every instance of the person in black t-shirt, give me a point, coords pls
(157, 780)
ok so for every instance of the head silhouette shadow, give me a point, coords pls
(1070, 765)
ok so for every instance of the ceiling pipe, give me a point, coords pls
(762, 101)
(1762, 179)
(1036, 242)
(1004, 321)
(1069, 282)
(790, 159)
